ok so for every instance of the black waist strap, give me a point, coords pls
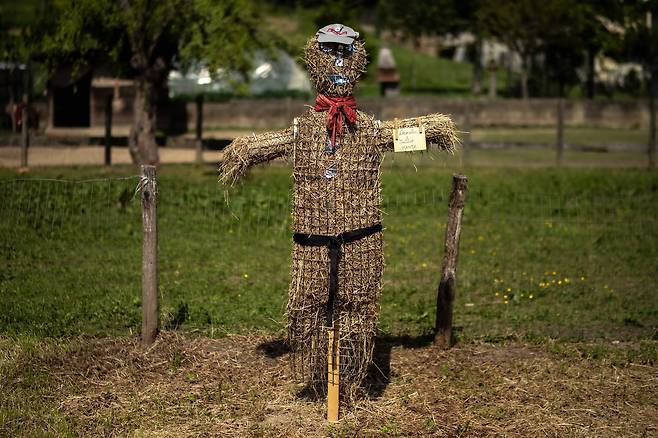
(334, 243)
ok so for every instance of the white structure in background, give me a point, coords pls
(607, 71)
(267, 75)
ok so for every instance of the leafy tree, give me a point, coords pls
(520, 25)
(466, 20)
(22, 25)
(414, 19)
(592, 16)
(640, 44)
(151, 37)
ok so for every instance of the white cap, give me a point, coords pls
(337, 33)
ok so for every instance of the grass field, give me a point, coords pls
(557, 301)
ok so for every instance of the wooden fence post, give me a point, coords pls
(108, 130)
(560, 131)
(25, 133)
(150, 309)
(652, 122)
(448, 284)
(199, 128)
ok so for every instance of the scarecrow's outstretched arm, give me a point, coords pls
(439, 129)
(244, 152)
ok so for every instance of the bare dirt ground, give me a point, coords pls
(241, 386)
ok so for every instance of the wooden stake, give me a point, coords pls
(108, 130)
(560, 131)
(447, 286)
(333, 374)
(25, 133)
(150, 312)
(199, 129)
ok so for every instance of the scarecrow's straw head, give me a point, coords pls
(335, 67)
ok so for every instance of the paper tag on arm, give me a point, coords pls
(409, 139)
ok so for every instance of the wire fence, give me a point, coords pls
(72, 249)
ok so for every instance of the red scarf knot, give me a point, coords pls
(338, 108)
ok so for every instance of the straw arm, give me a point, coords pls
(439, 130)
(244, 152)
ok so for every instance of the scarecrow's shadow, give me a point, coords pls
(274, 348)
(379, 373)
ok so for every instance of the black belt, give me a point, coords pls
(334, 243)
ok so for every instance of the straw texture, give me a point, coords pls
(335, 190)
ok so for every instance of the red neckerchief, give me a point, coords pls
(338, 107)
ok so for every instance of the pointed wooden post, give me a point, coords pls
(333, 374)
(150, 323)
(448, 284)
(560, 131)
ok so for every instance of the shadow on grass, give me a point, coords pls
(379, 371)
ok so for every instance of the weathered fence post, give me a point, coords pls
(560, 131)
(448, 284)
(108, 130)
(199, 128)
(150, 310)
(25, 133)
(652, 123)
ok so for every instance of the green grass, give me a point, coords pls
(585, 136)
(71, 252)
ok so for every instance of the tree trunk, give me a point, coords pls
(591, 54)
(653, 91)
(524, 83)
(477, 67)
(141, 142)
(493, 83)
(525, 64)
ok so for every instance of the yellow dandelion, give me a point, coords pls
(246, 275)
(531, 296)
(424, 265)
(506, 301)
(554, 273)
(480, 238)
(605, 286)
(497, 294)
(559, 282)
(582, 278)
(504, 296)
(509, 289)
(566, 280)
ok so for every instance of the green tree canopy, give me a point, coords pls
(150, 37)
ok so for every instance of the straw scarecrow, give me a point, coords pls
(337, 260)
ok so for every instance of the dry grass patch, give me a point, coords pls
(241, 386)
